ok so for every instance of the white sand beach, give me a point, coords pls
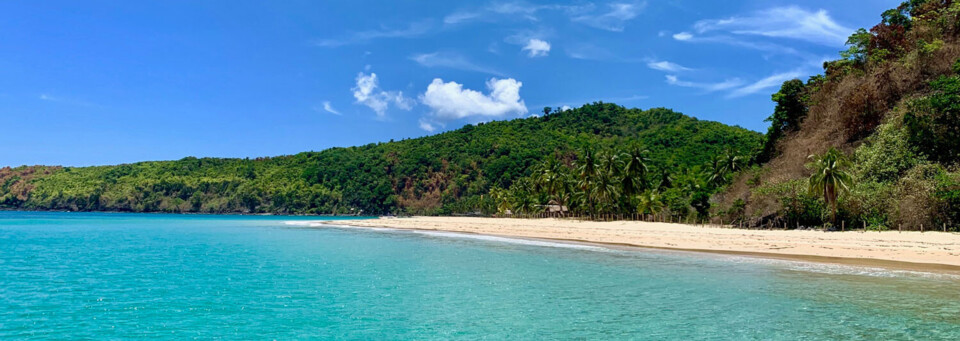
(929, 250)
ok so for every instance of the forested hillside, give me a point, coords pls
(448, 173)
(874, 141)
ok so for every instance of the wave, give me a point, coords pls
(793, 265)
(509, 240)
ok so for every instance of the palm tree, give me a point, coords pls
(605, 190)
(830, 177)
(552, 177)
(586, 175)
(649, 203)
(635, 172)
(723, 165)
(501, 197)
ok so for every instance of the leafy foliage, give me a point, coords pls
(447, 173)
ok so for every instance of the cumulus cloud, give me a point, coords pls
(451, 60)
(667, 66)
(781, 22)
(329, 108)
(368, 92)
(765, 84)
(709, 87)
(450, 101)
(537, 48)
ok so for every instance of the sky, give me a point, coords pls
(107, 82)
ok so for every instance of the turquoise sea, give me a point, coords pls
(151, 276)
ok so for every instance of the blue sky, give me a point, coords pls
(105, 82)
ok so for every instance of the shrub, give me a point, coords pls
(885, 155)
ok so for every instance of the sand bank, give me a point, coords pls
(929, 251)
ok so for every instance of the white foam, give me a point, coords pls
(842, 269)
(795, 265)
(519, 241)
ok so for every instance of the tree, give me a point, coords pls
(790, 110)
(858, 43)
(830, 177)
(547, 110)
(635, 172)
(587, 170)
(722, 166)
(649, 203)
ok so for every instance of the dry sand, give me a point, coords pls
(911, 250)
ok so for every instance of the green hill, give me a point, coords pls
(447, 173)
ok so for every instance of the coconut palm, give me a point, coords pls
(723, 165)
(587, 170)
(649, 203)
(552, 177)
(830, 177)
(635, 172)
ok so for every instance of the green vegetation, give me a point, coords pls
(892, 103)
(448, 173)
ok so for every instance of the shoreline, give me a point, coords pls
(912, 251)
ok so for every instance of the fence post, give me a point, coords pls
(843, 225)
(921, 228)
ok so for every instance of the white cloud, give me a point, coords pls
(459, 17)
(766, 83)
(565, 108)
(48, 98)
(612, 17)
(451, 60)
(782, 22)
(65, 100)
(537, 48)
(412, 30)
(449, 100)
(368, 92)
(427, 125)
(615, 18)
(683, 36)
(666, 66)
(329, 108)
(722, 39)
(709, 87)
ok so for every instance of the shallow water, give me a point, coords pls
(109, 276)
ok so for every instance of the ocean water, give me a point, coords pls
(141, 276)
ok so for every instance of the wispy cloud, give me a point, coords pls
(367, 92)
(428, 125)
(587, 51)
(790, 22)
(732, 41)
(64, 100)
(709, 87)
(451, 60)
(667, 66)
(614, 18)
(765, 84)
(412, 30)
(611, 16)
(329, 108)
(536, 48)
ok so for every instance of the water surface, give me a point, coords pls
(109, 276)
